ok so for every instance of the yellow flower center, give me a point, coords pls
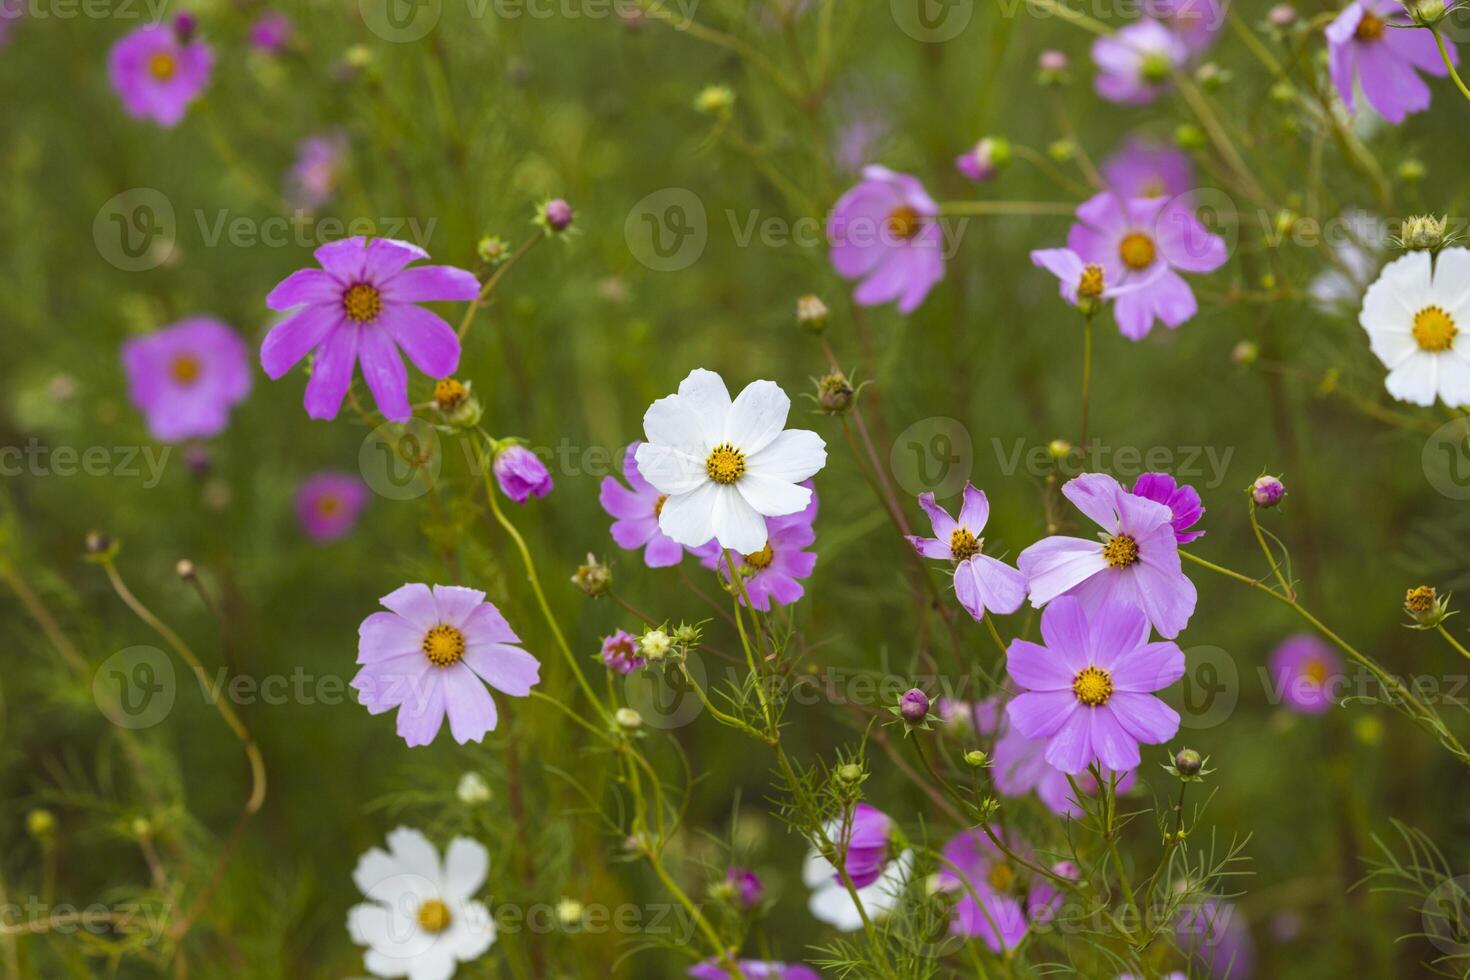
(904, 222)
(726, 464)
(1434, 330)
(185, 369)
(1420, 599)
(963, 544)
(448, 393)
(1153, 187)
(362, 302)
(658, 505)
(443, 645)
(1120, 551)
(1136, 250)
(1370, 28)
(434, 916)
(1090, 286)
(163, 66)
(762, 558)
(328, 504)
(1093, 686)
(1316, 670)
(1001, 876)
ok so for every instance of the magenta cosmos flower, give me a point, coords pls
(864, 849)
(1215, 936)
(620, 652)
(1304, 670)
(271, 32)
(1197, 22)
(635, 510)
(981, 583)
(998, 900)
(328, 504)
(754, 970)
(157, 72)
(1144, 167)
(186, 377)
(884, 232)
(1181, 499)
(1089, 691)
(1134, 63)
(521, 474)
(433, 654)
(778, 568)
(312, 180)
(1374, 43)
(1080, 280)
(1020, 767)
(1136, 563)
(360, 307)
(1147, 240)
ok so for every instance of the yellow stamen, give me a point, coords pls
(1136, 250)
(362, 302)
(328, 504)
(162, 66)
(1090, 286)
(434, 916)
(449, 394)
(963, 544)
(1316, 670)
(185, 369)
(726, 464)
(1120, 551)
(443, 645)
(904, 222)
(1370, 28)
(1434, 330)
(1001, 876)
(1093, 686)
(762, 558)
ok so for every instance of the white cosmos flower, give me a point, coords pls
(1415, 318)
(726, 466)
(419, 921)
(832, 902)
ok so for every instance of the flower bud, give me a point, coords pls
(1411, 171)
(1425, 13)
(984, 159)
(1059, 449)
(744, 888)
(454, 401)
(1061, 150)
(1282, 15)
(1267, 491)
(976, 758)
(628, 719)
(185, 26)
(850, 773)
(492, 250)
(1188, 136)
(811, 313)
(1245, 353)
(1423, 233)
(834, 393)
(521, 474)
(569, 912)
(1188, 762)
(593, 578)
(715, 100)
(913, 706)
(1155, 67)
(1052, 68)
(1212, 77)
(654, 644)
(1426, 607)
(184, 569)
(41, 824)
(99, 545)
(557, 215)
(472, 789)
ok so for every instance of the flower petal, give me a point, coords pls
(757, 417)
(382, 368)
(1036, 668)
(1041, 714)
(793, 456)
(1070, 747)
(415, 603)
(1144, 717)
(771, 497)
(671, 471)
(296, 336)
(1113, 747)
(470, 708)
(508, 669)
(689, 518)
(737, 525)
(1147, 668)
(331, 373)
(305, 287)
(424, 336)
(455, 604)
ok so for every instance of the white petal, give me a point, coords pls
(671, 421)
(1452, 280)
(793, 456)
(833, 905)
(670, 470)
(757, 417)
(1392, 346)
(436, 963)
(380, 965)
(1454, 381)
(375, 866)
(737, 525)
(415, 854)
(689, 518)
(771, 497)
(466, 863)
(471, 932)
(1414, 381)
(705, 394)
(816, 869)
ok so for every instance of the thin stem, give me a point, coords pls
(1286, 588)
(1444, 53)
(1008, 207)
(494, 280)
(1452, 641)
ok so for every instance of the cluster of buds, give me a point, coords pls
(593, 578)
(659, 643)
(1426, 607)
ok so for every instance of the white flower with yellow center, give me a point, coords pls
(1417, 315)
(726, 466)
(420, 920)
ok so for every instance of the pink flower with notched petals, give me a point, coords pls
(186, 377)
(1181, 499)
(1136, 563)
(884, 231)
(1372, 43)
(981, 583)
(1081, 280)
(157, 71)
(1134, 63)
(432, 654)
(635, 509)
(1019, 767)
(1089, 691)
(1305, 671)
(328, 504)
(1147, 240)
(1147, 168)
(361, 307)
(997, 902)
(620, 652)
(778, 567)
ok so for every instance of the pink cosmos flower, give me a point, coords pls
(1197, 22)
(883, 232)
(1181, 499)
(1136, 563)
(981, 161)
(745, 887)
(864, 849)
(780, 565)
(186, 377)
(157, 72)
(1133, 64)
(1215, 936)
(620, 652)
(998, 900)
(754, 970)
(635, 510)
(1144, 167)
(1303, 669)
(360, 307)
(1089, 691)
(1149, 240)
(433, 654)
(1020, 767)
(1079, 280)
(980, 582)
(521, 474)
(271, 32)
(312, 181)
(1372, 43)
(328, 504)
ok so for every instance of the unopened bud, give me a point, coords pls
(593, 578)
(1267, 491)
(914, 706)
(834, 393)
(628, 719)
(184, 569)
(1188, 762)
(811, 313)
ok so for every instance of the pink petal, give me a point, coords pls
(428, 341)
(1144, 717)
(976, 509)
(1040, 714)
(415, 603)
(504, 667)
(1070, 747)
(1117, 629)
(1058, 564)
(939, 518)
(1002, 588)
(456, 604)
(1036, 668)
(383, 635)
(1114, 748)
(485, 624)
(1148, 668)
(296, 336)
(1096, 495)
(422, 713)
(430, 283)
(1066, 630)
(382, 368)
(470, 708)
(305, 287)
(331, 373)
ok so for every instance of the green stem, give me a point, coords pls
(1444, 53)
